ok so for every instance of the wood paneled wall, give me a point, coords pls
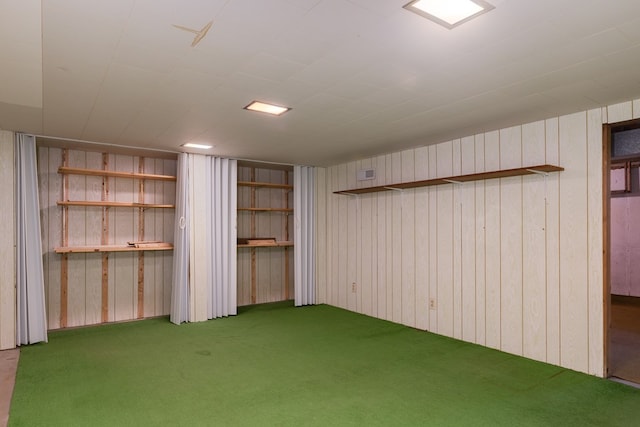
(514, 264)
(270, 262)
(7, 244)
(84, 294)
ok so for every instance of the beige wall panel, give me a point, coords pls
(480, 241)
(574, 324)
(620, 112)
(365, 281)
(397, 209)
(7, 250)
(159, 226)
(244, 231)
(552, 190)
(533, 245)
(408, 242)
(595, 242)
(635, 109)
(344, 286)
(457, 242)
(381, 239)
(353, 235)
(76, 284)
(493, 322)
(264, 285)
(124, 226)
(422, 240)
(93, 225)
(511, 305)
(433, 242)
(468, 241)
(391, 206)
(334, 281)
(445, 247)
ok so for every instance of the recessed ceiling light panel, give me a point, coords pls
(263, 107)
(449, 13)
(194, 145)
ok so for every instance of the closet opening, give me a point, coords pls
(622, 299)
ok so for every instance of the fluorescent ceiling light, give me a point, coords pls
(449, 13)
(262, 107)
(200, 146)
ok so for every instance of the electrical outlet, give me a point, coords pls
(432, 303)
(353, 287)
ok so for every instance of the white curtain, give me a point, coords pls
(304, 238)
(213, 249)
(31, 313)
(222, 242)
(180, 283)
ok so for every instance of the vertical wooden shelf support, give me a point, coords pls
(64, 265)
(104, 240)
(286, 238)
(141, 238)
(254, 285)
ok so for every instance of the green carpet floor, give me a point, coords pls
(276, 365)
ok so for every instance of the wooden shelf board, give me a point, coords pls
(266, 209)
(265, 185)
(271, 245)
(113, 248)
(116, 174)
(506, 173)
(112, 204)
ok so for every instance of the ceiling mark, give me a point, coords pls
(200, 34)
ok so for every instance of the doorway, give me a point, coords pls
(622, 154)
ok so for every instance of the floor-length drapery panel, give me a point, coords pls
(31, 325)
(304, 238)
(180, 283)
(212, 261)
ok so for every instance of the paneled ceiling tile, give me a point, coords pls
(156, 59)
(68, 103)
(21, 83)
(108, 119)
(631, 29)
(185, 88)
(269, 67)
(352, 89)
(21, 53)
(130, 84)
(302, 46)
(148, 125)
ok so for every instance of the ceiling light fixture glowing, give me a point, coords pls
(194, 145)
(449, 13)
(262, 107)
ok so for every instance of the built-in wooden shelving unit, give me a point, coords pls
(106, 203)
(458, 179)
(65, 170)
(254, 244)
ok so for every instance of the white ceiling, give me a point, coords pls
(362, 76)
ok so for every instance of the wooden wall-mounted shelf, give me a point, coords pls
(459, 179)
(267, 245)
(287, 210)
(110, 204)
(112, 248)
(97, 172)
(265, 185)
